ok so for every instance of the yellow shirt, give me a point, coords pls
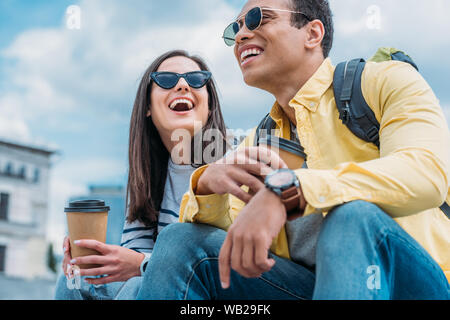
(408, 177)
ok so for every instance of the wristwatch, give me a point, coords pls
(285, 184)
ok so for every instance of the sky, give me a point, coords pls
(72, 89)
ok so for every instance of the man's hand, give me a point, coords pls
(248, 240)
(247, 166)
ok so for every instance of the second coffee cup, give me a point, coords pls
(291, 152)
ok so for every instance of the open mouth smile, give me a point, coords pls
(249, 55)
(181, 104)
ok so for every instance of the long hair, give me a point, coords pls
(148, 157)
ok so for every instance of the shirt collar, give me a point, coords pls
(312, 91)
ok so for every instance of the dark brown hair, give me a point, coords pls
(315, 9)
(148, 157)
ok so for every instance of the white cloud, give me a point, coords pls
(416, 24)
(12, 123)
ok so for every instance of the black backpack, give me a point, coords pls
(353, 109)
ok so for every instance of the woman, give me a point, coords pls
(176, 98)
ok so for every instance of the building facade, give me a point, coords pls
(24, 206)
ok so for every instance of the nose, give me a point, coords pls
(243, 34)
(182, 85)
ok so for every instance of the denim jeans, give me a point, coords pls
(110, 291)
(361, 253)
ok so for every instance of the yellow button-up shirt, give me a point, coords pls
(408, 177)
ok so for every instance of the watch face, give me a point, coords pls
(281, 179)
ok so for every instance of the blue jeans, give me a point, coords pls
(110, 291)
(361, 253)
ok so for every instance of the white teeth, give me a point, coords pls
(177, 101)
(248, 52)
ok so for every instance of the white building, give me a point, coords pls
(24, 206)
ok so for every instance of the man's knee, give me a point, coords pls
(350, 222)
(357, 213)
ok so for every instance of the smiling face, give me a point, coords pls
(272, 51)
(181, 106)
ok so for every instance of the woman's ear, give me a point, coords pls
(149, 113)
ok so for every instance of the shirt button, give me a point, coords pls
(322, 199)
(312, 104)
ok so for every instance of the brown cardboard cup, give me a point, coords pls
(291, 152)
(86, 219)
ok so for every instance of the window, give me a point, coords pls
(4, 199)
(21, 173)
(2, 258)
(9, 169)
(36, 175)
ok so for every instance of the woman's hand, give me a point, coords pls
(118, 263)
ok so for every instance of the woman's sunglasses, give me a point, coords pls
(253, 20)
(168, 80)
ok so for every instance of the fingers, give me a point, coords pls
(95, 271)
(224, 263)
(262, 261)
(241, 177)
(246, 255)
(265, 155)
(102, 280)
(247, 166)
(94, 259)
(93, 244)
(249, 256)
(249, 269)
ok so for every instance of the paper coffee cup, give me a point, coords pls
(291, 152)
(86, 219)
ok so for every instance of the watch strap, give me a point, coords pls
(291, 198)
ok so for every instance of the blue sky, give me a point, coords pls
(73, 90)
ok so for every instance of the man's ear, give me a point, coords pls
(149, 113)
(315, 33)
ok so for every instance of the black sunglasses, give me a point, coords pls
(253, 19)
(168, 80)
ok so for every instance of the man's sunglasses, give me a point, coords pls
(253, 20)
(168, 80)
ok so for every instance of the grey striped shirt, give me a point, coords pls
(141, 238)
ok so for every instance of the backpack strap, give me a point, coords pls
(266, 124)
(445, 209)
(354, 111)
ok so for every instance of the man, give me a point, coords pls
(367, 223)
